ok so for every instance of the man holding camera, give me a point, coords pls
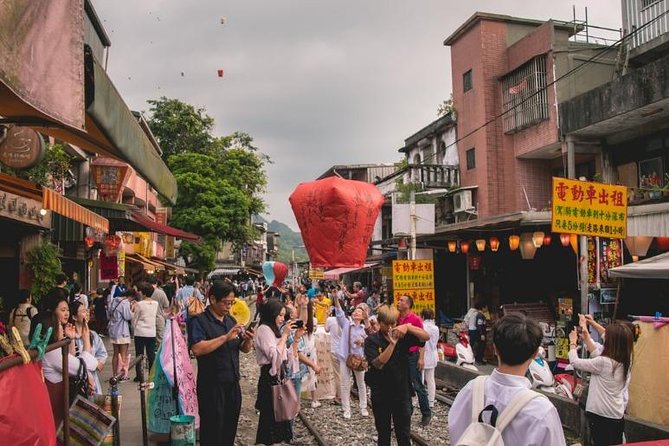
(216, 341)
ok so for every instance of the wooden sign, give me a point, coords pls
(21, 147)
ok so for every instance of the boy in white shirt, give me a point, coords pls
(516, 339)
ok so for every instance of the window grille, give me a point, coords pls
(647, 3)
(467, 81)
(524, 96)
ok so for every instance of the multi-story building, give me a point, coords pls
(509, 75)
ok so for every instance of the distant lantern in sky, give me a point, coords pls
(223, 20)
(220, 72)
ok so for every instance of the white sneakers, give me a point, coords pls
(315, 404)
(364, 412)
(347, 414)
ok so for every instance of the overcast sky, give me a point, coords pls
(315, 82)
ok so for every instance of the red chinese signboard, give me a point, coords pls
(110, 176)
(108, 267)
(588, 208)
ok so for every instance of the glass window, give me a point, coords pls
(471, 159)
(467, 80)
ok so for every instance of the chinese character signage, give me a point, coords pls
(603, 254)
(588, 208)
(414, 278)
(316, 273)
(108, 267)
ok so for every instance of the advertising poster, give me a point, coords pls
(415, 278)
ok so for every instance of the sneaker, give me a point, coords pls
(347, 414)
(125, 379)
(364, 412)
(315, 404)
(425, 421)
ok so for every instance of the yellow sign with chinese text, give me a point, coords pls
(415, 278)
(589, 208)
(316, 273)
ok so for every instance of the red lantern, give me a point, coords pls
(514, 242)
(336, 218)
(547, 239)
(464, 247)
(220, 72)
(494, 244)
(662, 243)
(565, 239)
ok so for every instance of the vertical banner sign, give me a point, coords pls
(415, 278)
(108, 267)
(588, 208)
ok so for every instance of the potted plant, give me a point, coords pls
(665, 189)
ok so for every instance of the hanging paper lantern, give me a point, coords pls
(527, 245)
(638, 245)
(538, 239)
(452, 245)
(494, 244)
(547, 239)
(514, 242)
(336, 218)
(274, 272)
(480, 244)
(464, 246)
(89, 241)
(220, 72)
(564, 239)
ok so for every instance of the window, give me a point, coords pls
(524, 96)
(471, 159)
(467, 81)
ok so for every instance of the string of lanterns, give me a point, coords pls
(527, 242)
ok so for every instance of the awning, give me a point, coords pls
(124, 218)
(154, 226)
(334, 274)
(157, 266)
(223, 272)
(179, 270)
(134, 259)
(53, 201)
(111, 129)
(650, 220)
(652, 268)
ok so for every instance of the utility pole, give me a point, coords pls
(413, 217)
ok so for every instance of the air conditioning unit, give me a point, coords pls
(462, 201)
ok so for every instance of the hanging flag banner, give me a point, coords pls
(414, 278)
(589, 208)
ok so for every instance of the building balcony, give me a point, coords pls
(434, 175)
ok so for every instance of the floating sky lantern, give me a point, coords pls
(274, 272)
(220, 72)
(336, 218)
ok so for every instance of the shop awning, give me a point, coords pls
(156, 266)
(652, 268)
(124, 218)
(650, 220)
(110, 128)
(154, 226)
(134, 259)
(53, 201)
(179, 270)
(334, 274)
(223, 272)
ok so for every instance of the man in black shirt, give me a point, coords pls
(387, 353)
(216, 341)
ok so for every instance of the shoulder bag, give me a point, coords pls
(195, 306)
(285, 401)
(356, 363)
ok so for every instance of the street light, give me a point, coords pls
(413, 217)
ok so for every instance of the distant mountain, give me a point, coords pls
(288, 240)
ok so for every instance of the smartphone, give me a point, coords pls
(252, 325)
(299, 323)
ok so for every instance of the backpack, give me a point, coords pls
(480, 433)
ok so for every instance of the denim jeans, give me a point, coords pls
(416, 378)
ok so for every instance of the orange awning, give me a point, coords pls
(53, 201)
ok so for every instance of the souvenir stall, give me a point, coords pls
(644, 297)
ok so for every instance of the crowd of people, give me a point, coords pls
(386, 350)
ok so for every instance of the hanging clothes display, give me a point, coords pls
(28, 420)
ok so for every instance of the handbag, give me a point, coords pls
(285, 401)
(80, 385)
(355, 362)
(195, 306)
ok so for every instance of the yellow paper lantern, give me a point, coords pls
(538, 239)
(480, 244)
(452, 245)
(514, 242)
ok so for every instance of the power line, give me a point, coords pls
(553, 82)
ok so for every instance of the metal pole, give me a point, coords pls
(113, 392)
(142, 398)
(412, 216)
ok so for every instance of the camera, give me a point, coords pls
(299, 323)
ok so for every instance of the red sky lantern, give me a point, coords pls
(336, 218)
(220, 72)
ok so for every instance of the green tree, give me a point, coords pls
(221, 180)
(180, 127)
(44, 265)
